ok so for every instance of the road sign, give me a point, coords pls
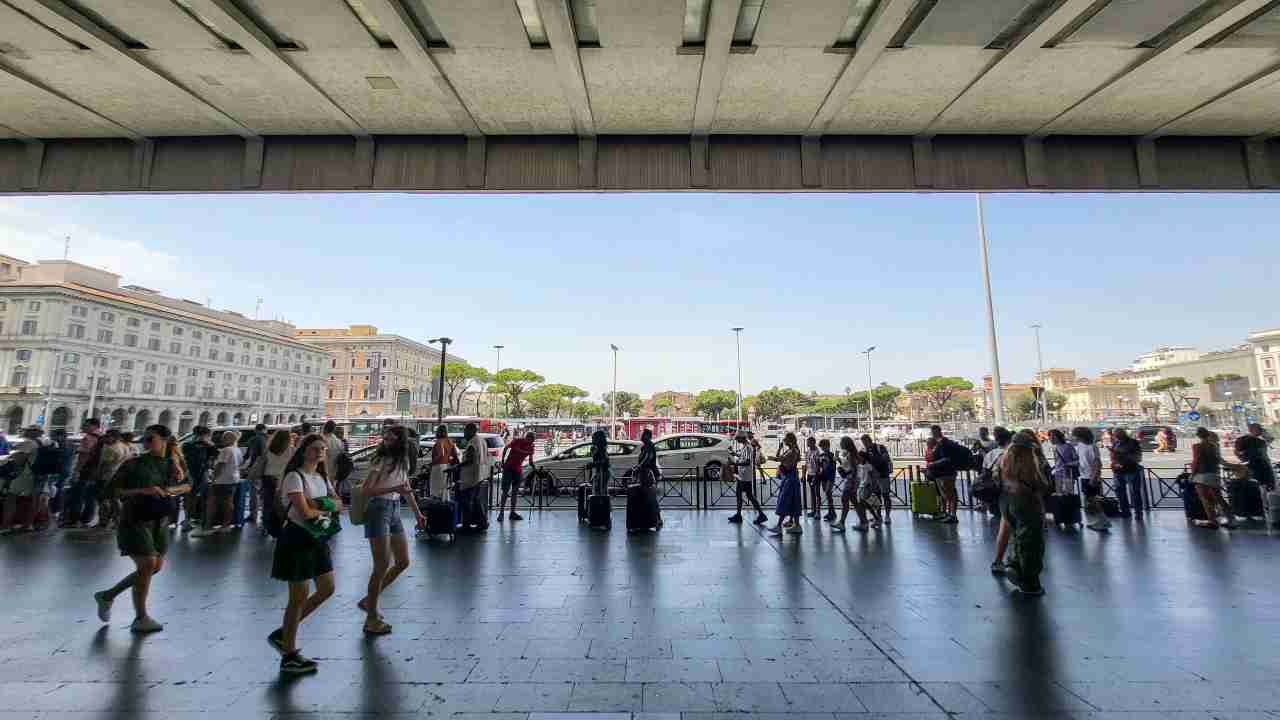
(1193, 416)
(1192, 402)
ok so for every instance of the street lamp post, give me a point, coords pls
(613, 397)
(1044, 386)
(737, 335)
(444, 347)
(55, 365)
(498, 348)
(997, 392)
(871, 404)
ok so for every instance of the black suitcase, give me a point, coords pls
(584, 490)
(642, 507)
(439, 514)
(1066, 509)
(1191, 505)
(600, 512)
(1110, 507)
(1246, 499)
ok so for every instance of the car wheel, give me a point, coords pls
(711, 471)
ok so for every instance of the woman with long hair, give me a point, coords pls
(302, 553)
(1025, 484)
(386, 483)
(789, 503)
(443, 454)
(849, 467)
(279, 452)
(174, 455)
(1206, 478)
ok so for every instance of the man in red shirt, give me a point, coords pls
(513, 457)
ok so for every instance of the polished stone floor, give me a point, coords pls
(703, 619)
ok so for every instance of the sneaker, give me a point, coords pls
(203, 532)
(860, 528)
(295, 664)
(146, 624)
(761, 519)
(735, 518)
(837, 527)
(887, 521)
(1206, 524)
(516, 516)
(104, 606)
(501, 517)
(811, 515)
(186, 525)
(775, 530)
(795, 530)
(276, 640)
(997, 568)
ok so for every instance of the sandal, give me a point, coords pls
(364, 607)
(380, 629)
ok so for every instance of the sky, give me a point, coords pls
(813, 278)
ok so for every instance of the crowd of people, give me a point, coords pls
(289, 483)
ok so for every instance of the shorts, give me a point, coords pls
(382, 518)
(948, 484)
(511, 478)
(299, 557)
(223, 491)
(148, 539)
(1210, 479)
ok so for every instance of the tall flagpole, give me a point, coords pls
(997, 392)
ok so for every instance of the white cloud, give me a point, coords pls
(33, 235)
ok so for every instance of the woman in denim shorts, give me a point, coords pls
(388, 481)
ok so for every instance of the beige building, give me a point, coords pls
(982, 401)
(1100, 402)
(75, 343)
(681, 404)
(1212, 401)
(1266, 355)
(1059, 379)
(366, 369)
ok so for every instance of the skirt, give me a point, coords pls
(146, 539)
(789, 496)
(299, 556)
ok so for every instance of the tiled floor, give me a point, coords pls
(704, 620)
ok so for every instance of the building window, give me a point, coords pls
(33, 306)
(148, 387)
(230, 357)
(170, 389)
(103, 384)
(244, 359)
(1266, 363)
(1271, 381)
(133, 323)
(76, 311)
(213, 354)
(257, 362)
(151, 368)
(175, 348)
(126, 364)
(257, 395)
(194, 351)
(244, 378)
(240, 394)
(67, 380)
(207, 392)
(172, 370)
(177, 331)
(104, 336)
(130, 340)
(211, 375)
(107, 317)
(155, 327)
(197, 335)
(19, 377)
(261, 348)
(153, 344)
(215, 339)
(24, 356)
(69, 358)
(333, 363)
(29, 327)
(330, 393)
(273, 364)
(297, 367)
(192, 372)
(190, 390)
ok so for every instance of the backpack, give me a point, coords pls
(880, 460)
(962, 458)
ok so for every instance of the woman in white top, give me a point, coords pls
(1090, 464)
(300, 557)
(387, 482)
(222, 486)
(279, 452)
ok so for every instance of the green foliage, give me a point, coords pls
(628, 402)
(1169, 383)
(513, 383)
(1026, 408)
(458, 377)
(939, 389)
(584, 410)
(714, 403)
(1224, 377)
(776, 402)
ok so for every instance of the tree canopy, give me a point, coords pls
(513, 383)
(1175, 387)
(776, 402)
(628, 402)
(458, 377)
(712, 403)
(1026, 406)
(938, 389)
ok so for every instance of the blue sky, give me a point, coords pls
(814, 278)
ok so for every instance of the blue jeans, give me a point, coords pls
(1129, 481)
(242, 493)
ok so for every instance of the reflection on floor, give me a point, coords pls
(547, 616)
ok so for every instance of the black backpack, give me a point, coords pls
(880, 460)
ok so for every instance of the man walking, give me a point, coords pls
(1126, 463)
(742, 460)
(252, 485)
(82, 498)
(513, 457)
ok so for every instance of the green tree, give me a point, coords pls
(1174, 387)
(458, 378)
(1026, 407)
(513, 383)
(628, 402)
(938, 389)
(562, 396)
(584, 410)
(885, 397)
(776, 402)
(712, 403)
(662, 404)
(541, 401)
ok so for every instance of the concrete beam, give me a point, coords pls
(35, 164)
(1148, 165)
(715, 62)
(404, 33)
(587, 162)
(811, 161)
(700, 161)
(1037, 168)
(144, 155)
(251, 167)
(888, 17)
(362, 173)
(249, 36)
(65, 20)
(476, 160)
(922, 161)
(1257, 164)
(26, 79)
(564, 46)
(1152, 65)
(1259, 80)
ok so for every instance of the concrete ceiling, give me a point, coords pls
(144, 70)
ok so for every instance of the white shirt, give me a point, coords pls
(745, 461)
(478, 470)
(1088, 454)
(229, 462)
(332, 449)
(311, 485)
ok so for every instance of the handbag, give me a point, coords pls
(986, 488)
(360, 501)
(323, 528)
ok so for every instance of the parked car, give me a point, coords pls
(1146, 436)
(570, 466)
(707, 453)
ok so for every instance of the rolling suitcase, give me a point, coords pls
(584, 490)
(1246, 498)
(642, 507)
(1191, 505)
(439, 514)
(1066, 509)
(924, 498)
(600, 512)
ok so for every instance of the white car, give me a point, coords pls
(571, 465)
(706, 453)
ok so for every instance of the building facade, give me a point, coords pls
(1161, 356)
(74, 342)
(1218, 402)
(681, 404)
(366, 369)
(1101, 402)
(1266, 356)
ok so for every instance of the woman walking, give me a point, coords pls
(850, 468)
(222, 487)
(146, 486)
(174, 455)
(1023, 494)
(302, 552)
(279, 452)
(443, 454)
(387, 482)
(789, 504)
(1206, 478)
